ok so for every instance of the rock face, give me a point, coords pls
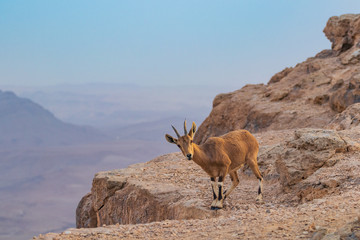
(142, 193)
(307, 95)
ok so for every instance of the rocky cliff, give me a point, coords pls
(311, 188)
(307, 123)
(307, 95)
(169, 187)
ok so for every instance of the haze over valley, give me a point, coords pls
(47, 164)
(104, 105)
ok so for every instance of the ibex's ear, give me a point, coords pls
(170, 139)
(192, 130)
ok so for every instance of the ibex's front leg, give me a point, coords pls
(220, 200)
(215, 193)
(218, 189)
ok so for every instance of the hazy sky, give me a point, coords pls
(159, 42)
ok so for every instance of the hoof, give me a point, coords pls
(215, 208)
(219, 205)
(259, 199)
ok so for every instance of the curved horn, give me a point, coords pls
(185, 131)
(177, 134)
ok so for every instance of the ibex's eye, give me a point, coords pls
(178, 145)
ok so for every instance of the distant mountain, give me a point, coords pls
(25, 123)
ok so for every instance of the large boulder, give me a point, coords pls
(343, 31)
(346, 95)
(306, 163)
(348, 119)
(299, 157)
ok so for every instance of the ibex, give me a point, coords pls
(219, 156)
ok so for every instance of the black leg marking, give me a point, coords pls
(220, 193)
(260, 186)
(221, 178)
(212, 187)
(259, 198)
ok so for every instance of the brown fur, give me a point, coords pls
(223, 155)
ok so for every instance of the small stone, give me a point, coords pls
(312, 227)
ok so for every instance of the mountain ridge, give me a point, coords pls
(26, 123)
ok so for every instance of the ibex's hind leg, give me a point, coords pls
(235, 181)
(255, 168)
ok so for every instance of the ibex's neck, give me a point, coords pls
(199, 156)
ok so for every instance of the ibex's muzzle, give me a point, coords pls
(189, 156)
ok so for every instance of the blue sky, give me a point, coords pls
(159, 42)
